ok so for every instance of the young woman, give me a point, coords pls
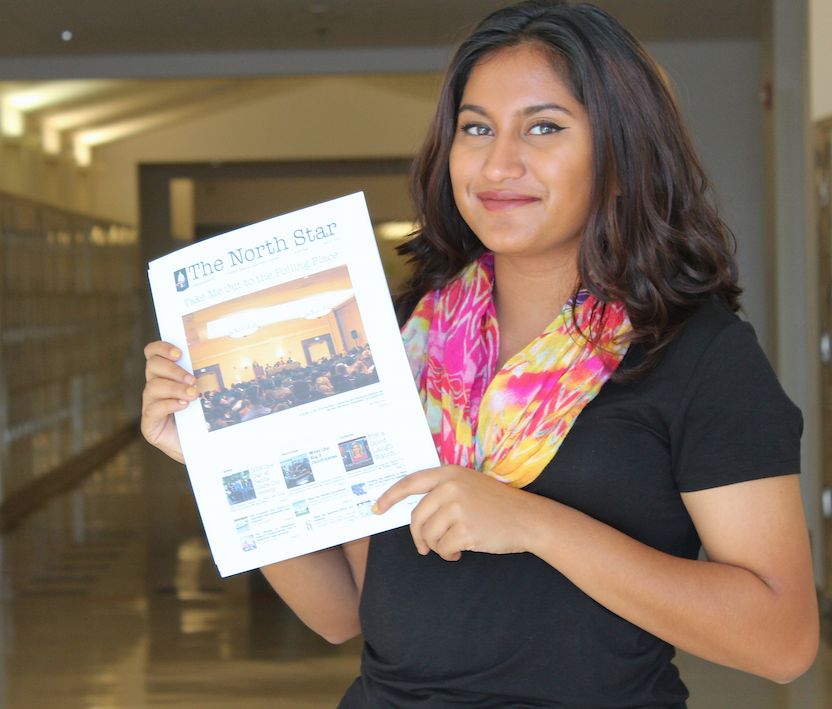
(571, 328)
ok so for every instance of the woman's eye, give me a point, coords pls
(545, 128)
(475, 129)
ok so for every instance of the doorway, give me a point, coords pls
(317, 348)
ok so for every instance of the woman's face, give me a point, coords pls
(521, 160)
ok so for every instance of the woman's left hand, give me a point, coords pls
(465, 510)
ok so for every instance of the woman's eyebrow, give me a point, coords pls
(472, 107)
(546, 107)
(526, 111)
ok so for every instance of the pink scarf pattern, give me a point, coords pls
(508, 423)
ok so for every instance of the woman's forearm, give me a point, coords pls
(723, 612)
(323, 588)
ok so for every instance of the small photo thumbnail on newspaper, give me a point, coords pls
(359, 490)
(239, 488)
(279, 348)
(365, 509)
(355, 453)
(242, 525)
(297, 471)
(301, 508)
(248, 543)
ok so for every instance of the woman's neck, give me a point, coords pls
(528, 296)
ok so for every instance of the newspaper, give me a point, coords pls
(308, 409)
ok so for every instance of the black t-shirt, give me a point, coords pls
(499, 631)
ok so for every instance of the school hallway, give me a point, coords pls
(111, 601)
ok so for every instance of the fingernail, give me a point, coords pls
(191, 391)
(190, 379)
(176, 353)
(183, 402)
(375, 508)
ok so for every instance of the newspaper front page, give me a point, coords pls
(308, 408)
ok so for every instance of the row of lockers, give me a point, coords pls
(70, 342)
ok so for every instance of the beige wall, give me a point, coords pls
(332, 324)
(59, 182)
(820, 58)
(314, 118)
(349, 318)
(245, 201)
(208, 382)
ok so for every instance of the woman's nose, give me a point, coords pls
(504, 160)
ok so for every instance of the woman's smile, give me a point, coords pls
(502, 200)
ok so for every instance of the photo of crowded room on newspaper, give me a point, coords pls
(279, 348)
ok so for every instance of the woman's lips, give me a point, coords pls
(503, 200)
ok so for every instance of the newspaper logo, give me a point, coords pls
(181, 280)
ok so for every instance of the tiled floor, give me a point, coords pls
(110, 601)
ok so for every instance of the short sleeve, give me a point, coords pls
(734, 422)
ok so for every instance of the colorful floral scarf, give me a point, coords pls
(508, 424)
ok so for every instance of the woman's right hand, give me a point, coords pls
(169, 389)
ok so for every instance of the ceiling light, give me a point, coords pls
(82, 152)
(52, 93)
(315, 306)
(138, 98)
(243, 331)
(317, 312)
(66, 35)
(395, 231)
(50, 139)
(210, 93)
(131, 126)
(12, 122)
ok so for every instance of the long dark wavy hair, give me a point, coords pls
(653, 239)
